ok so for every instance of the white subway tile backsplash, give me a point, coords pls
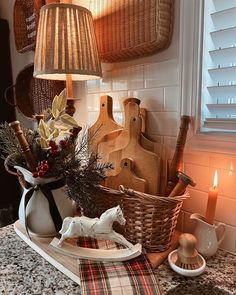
(92, 118)
(196, 203)
(227, 163)
(197, 158)
(162, 123)
(128, 78)
(229, 240)
(188, 224)
(226, 183)
(171, 99)
(200, 175)
(93, 102)
(165, 73)
(119, 117)
(151, 99)
(225, 210)
(101, 85)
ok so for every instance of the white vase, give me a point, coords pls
(35, 214)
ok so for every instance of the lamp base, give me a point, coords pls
(70, 108)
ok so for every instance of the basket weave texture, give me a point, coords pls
(150, 220)
(130, 29)
(25, 17)
(32, 95)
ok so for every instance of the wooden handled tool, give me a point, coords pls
(187, 254)
(177, 160)
(180, 187)
(25, 148)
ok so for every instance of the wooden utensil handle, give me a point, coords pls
(177, 160)
(30, 161)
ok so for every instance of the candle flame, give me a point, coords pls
(215, 183)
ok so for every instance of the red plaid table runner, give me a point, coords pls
(132, 277)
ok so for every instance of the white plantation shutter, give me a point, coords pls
(218, 92)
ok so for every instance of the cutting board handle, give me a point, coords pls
(106, 106)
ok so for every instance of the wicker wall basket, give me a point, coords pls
(150, 220)
(32, 95)
(25, 20)
(130, 29)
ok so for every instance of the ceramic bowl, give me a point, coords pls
(172, 258)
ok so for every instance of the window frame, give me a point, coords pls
(190, 52)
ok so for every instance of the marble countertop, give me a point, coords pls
(23, 271)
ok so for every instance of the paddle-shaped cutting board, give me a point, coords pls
(119, 138)
(147, 164)
(105, 122)
(127, 178)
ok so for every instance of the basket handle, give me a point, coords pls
(6, 92)
(6, 165)
(18, 173)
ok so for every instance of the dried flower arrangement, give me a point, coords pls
(59, 151)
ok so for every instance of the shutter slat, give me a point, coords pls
(219, 67)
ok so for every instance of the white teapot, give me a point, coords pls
(209, 237)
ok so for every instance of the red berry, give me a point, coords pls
(41, 173)
(52, 143)
(44, 167)
(63, 142)
(35, 174)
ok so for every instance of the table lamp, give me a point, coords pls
(66, 47)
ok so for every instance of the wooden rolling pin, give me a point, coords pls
(177, 160)
(25, 148)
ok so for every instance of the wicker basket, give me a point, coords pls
(32, 95)
(150, 220)
(25, 17)
(130, 29)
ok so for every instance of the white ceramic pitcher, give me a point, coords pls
(36, 216)
(209, 237)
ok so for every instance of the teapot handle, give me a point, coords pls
(221, 225)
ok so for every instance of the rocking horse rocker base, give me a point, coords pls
(96, 254)
(100, 229)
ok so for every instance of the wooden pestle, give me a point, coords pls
(180, 187)
(187, 254)
(25, 148)
(177, 160)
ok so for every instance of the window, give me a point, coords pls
(218, 75)
(196, 64)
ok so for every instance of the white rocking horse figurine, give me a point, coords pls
(98, 228)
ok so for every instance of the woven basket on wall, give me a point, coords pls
(25, 21)
(130, 29)
(150, 220)
(33, 95)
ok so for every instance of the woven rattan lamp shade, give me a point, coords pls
(66, 44)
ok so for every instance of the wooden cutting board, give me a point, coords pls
(127, 178)
(147, 164)
(118, 139)
(69, 265)
(105, 122)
